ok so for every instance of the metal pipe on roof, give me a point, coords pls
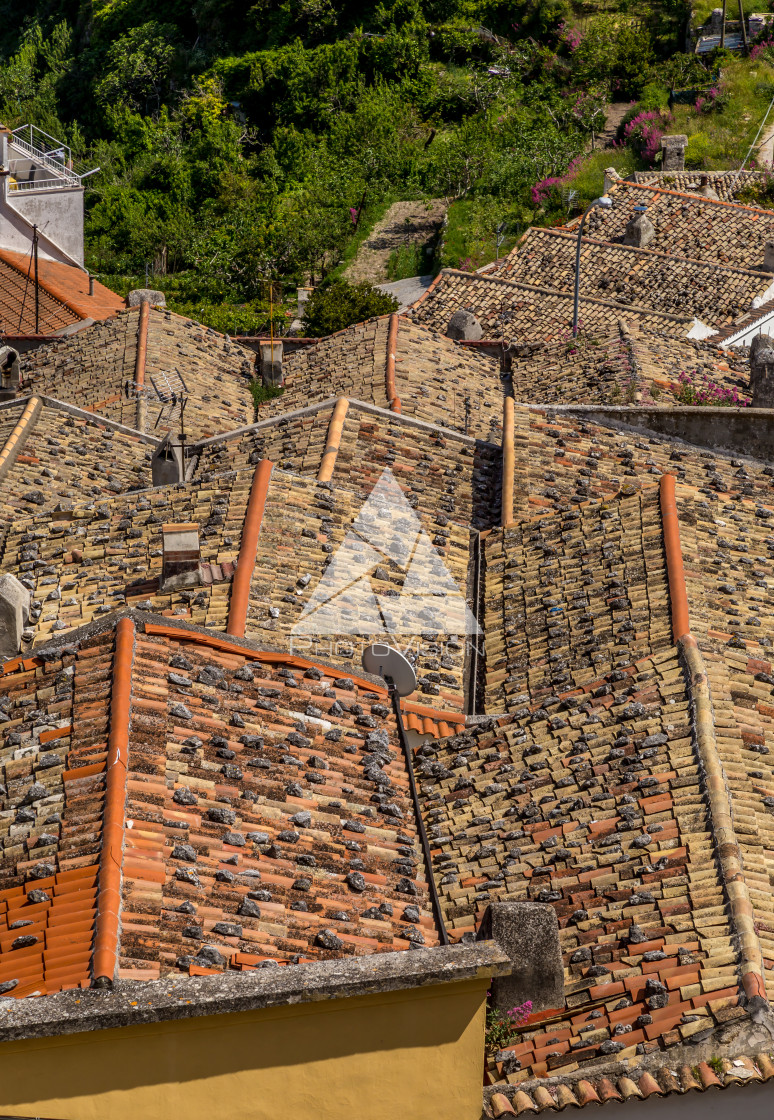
(434, 897)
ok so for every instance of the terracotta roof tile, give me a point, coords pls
(95, 370)
(658, 277)
(436, 379)
(521, 312)
(64, 294)
(720, 233)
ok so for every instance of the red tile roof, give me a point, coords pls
(64, 295)
(199, 805)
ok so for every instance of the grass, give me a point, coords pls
(469, 239)
(410, 260)
(721, 139)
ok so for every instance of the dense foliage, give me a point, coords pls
(244, 144)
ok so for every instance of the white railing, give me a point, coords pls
(47, 152)
(39, 185)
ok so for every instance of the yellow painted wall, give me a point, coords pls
(395, 1056)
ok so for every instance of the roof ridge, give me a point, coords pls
(333, 440)
(107, 927)
(140, 357)
(715, 782)
(564, 295)
(240, 587)
(389, 373)
(20, 434)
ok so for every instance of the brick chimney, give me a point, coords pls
(762, 371)
(673, 152)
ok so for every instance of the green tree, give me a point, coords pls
(337, 305)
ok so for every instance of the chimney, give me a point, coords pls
(271, 362)
(755, 24)
(673, 152)
(707, 191)
(181, 556)
(762, 371)
(145, 295)
(10, 373)
(768, 257)
(14, 615)
(611, 178)
(639, 231)
(304, 294)
(168, 462)
(464, 327)
(528, 932)
(716, 21)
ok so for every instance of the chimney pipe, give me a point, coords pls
(91, 285)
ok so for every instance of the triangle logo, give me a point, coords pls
(346, 602)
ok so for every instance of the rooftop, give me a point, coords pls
(518, 312)
(654, 277)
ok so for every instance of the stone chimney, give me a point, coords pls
(464, 326)
(14, 615)
(10, 373)
(168, 462)
(271, 362)
(146, 295)
(639, 231)
(762, 371)
(716, 21)
(768, 257)
(673, 152)
(181, 556)
(528, 932)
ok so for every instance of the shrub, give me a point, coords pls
(643, 134)
(263, 392)
(697, 151)
(339, 304)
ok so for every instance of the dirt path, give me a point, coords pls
(615, 114)
(404, 222)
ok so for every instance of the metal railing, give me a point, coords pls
(39, 185)
(46, 151)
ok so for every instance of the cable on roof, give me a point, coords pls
(26, 287)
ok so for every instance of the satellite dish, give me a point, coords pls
(383, 661)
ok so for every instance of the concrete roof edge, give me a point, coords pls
(134, 1002)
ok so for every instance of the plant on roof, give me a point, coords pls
(501, 1025)
(716, 1064)
(695, 388)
